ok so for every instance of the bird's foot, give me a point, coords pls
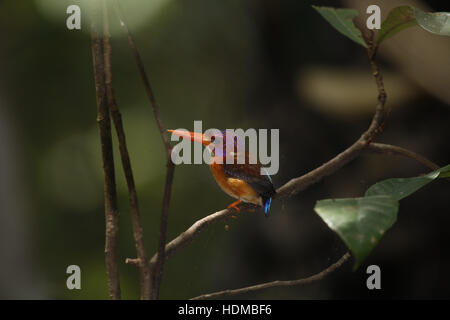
(234, 206)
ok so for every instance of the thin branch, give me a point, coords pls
(192, 232)
(296, 185)
(159, 265)
(104, 125)
(278, 283)
(144, 77)
(138, 233)
(157, 271)
(395, 150)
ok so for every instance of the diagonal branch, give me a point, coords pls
(277, 283)
(157, 271)
(138, 233)
(192, 232)
(104, 125)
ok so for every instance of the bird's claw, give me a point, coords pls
(234, 206)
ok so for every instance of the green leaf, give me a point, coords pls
(398, 19)
(360, 222)
(400, 188)
(342, 21)
(434, 22)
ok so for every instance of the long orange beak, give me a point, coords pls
(193, 136)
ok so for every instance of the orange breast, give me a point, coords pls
(234, 187)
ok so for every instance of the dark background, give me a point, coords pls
(231, 64)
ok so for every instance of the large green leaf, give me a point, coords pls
(360, 222)
(398, 19)
(342, 21)
(434, 22)
(400, 188)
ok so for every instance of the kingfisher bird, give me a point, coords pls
(241, 181)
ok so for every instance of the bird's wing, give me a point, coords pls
(251, 173)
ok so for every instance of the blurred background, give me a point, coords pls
(231, 64)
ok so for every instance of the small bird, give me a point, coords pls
(241, 181)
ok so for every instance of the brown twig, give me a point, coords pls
(144, 77)
(157, 269)
(161, 258)
(278, 283)
(138, 233)
(192, 232)
(395, 150)
(104, 125)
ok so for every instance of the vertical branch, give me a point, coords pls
(161, 258)
(380, 117)
(144, 77)
(157, 270)
(138, 233)
(104, 126)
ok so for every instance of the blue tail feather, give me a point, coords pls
(267, 206)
